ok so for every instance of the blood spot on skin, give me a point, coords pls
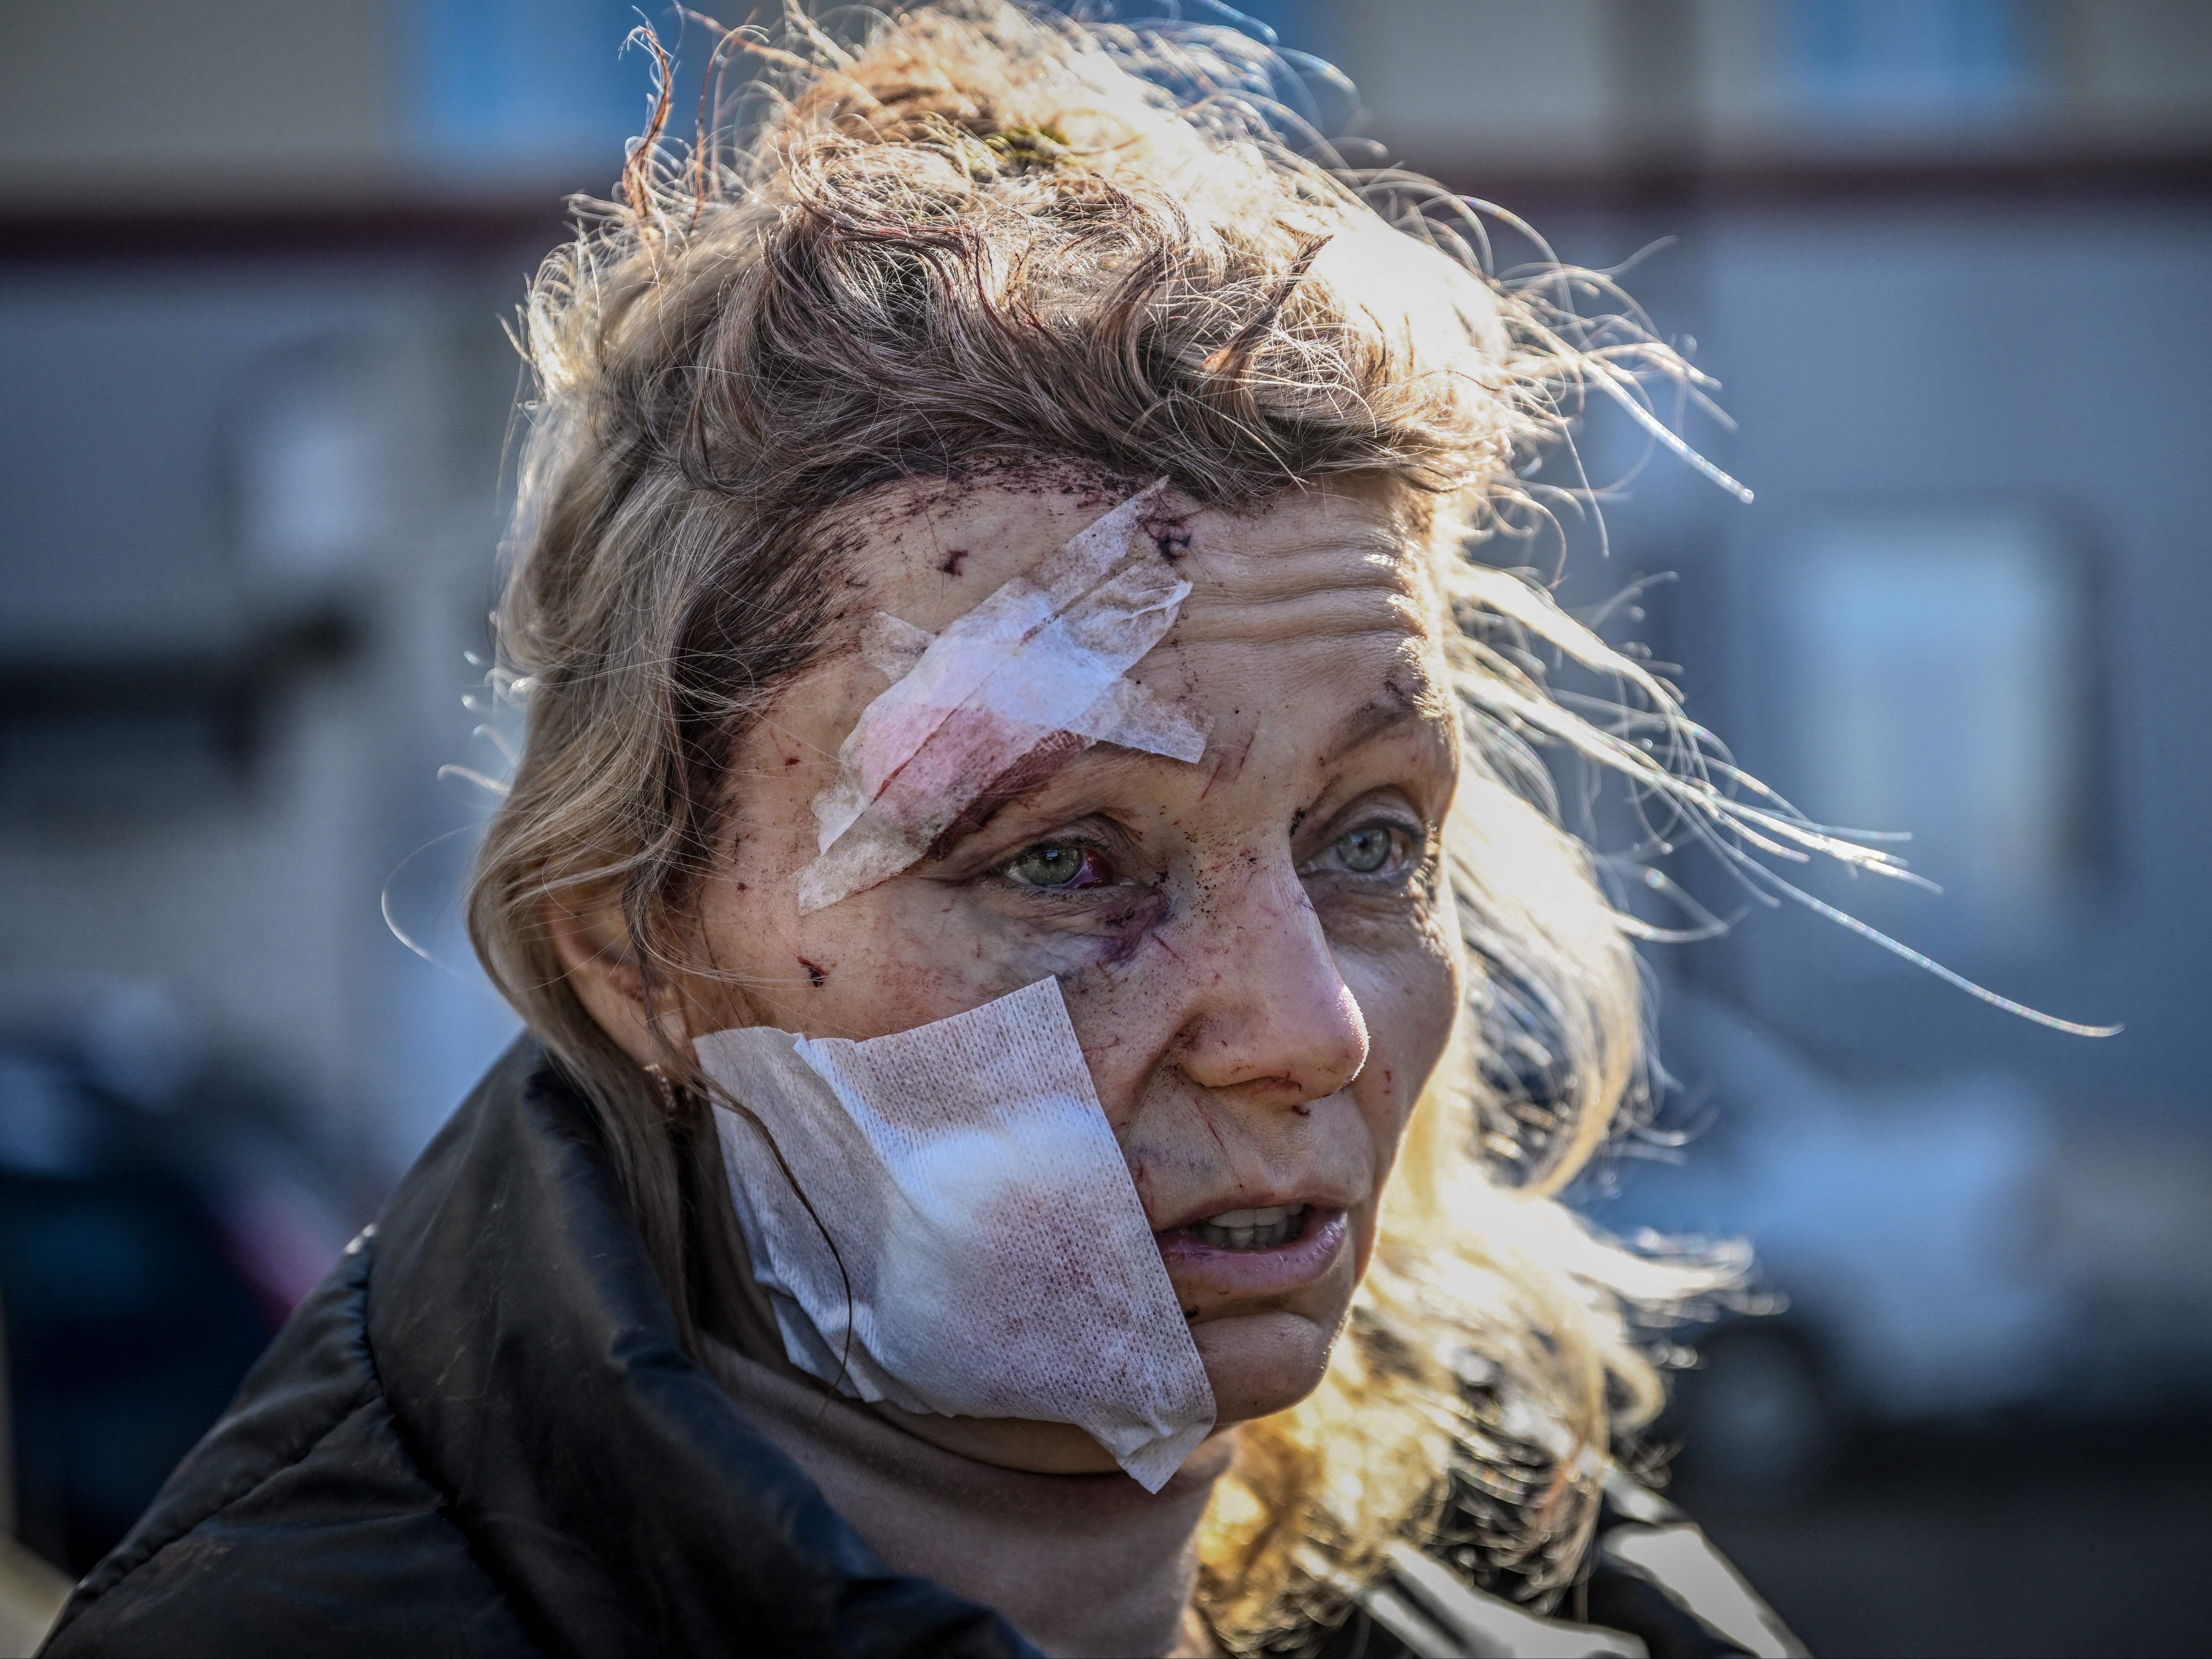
(791, 760)
(815, 976)
(1298, 818)
(1171, 536)
(1140, 1176)
(952, 561)
(1227, 768)
(1206, 1118)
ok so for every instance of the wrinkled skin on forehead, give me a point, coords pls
(1254, 949)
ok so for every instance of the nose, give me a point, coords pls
(1273, 1018)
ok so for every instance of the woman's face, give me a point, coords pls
(1254, 949)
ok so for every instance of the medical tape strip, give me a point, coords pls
(1001, 699)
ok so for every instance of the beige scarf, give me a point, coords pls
(1080, 1563)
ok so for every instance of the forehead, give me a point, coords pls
(1316, 565)
(1306, 649)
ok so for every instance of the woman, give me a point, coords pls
(1057, 1001)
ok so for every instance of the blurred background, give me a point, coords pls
(1948, 260)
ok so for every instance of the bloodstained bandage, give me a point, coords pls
(999, 701)
(943, 1220)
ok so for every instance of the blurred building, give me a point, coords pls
(1945, 256)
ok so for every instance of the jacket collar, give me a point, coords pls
(531, 1360)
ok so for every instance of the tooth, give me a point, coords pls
(1252, 1229)
(1261, 1217)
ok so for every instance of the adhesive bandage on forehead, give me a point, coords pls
(1021, 684)
(943, 1220)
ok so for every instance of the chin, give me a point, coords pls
(1264, 1362)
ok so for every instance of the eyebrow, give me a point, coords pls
(1396, 707)
(1052, 762)
(1024, 779)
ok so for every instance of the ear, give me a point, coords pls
(592, 942)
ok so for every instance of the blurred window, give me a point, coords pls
(308, 483)
(1939, 664)
(310, 476)
(1911, 62)
(527, 86)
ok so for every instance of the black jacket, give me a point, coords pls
(481, 1436)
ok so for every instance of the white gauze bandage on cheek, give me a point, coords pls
(992, 1258)
(1022, 684)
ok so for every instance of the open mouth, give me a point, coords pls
(1256, 1252)
(1252, 1229)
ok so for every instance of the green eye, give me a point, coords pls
(1365, 851)
(1060, 867)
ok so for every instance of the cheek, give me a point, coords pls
(1134, 987)
(876, 963)
(1410, 995)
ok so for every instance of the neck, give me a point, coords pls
(1081, 1563)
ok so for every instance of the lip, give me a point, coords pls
(1196, 1265)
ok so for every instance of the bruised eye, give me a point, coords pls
(1060, 867)
(1363, 851)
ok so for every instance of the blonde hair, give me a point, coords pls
(984, 236)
